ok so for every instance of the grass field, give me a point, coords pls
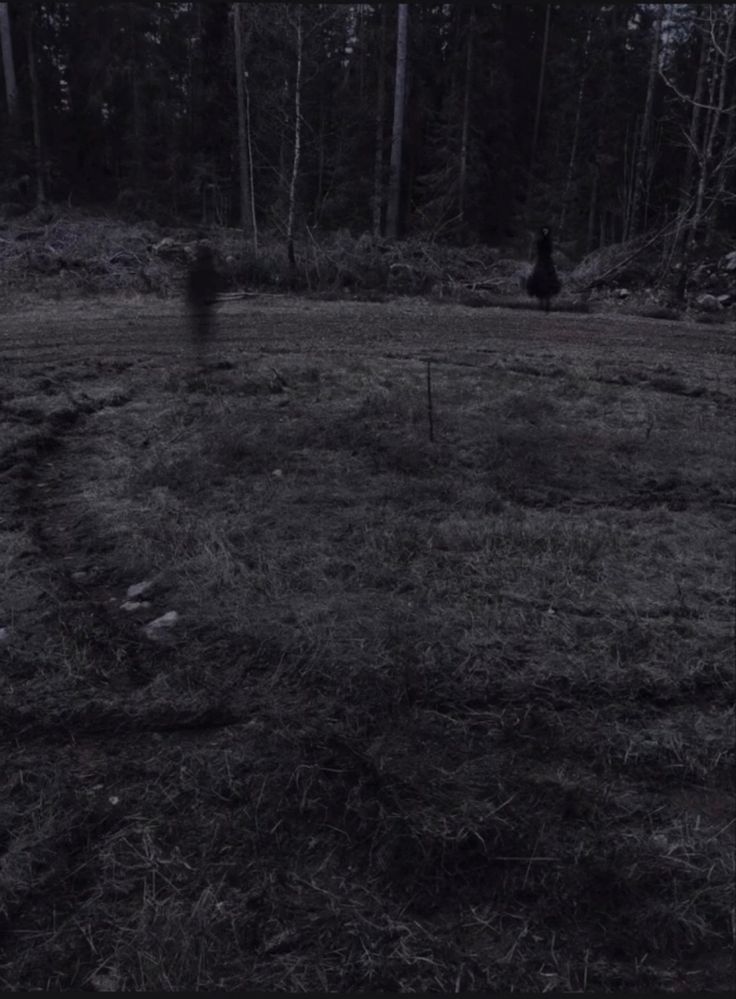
(448, 715)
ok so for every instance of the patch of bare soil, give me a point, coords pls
(432, 715)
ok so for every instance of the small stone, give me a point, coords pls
(105, 981)
(138, 589)
(623, 292)
(158, 628)
(731, 261)
(4, 635)
(134, 605)
(277, 473)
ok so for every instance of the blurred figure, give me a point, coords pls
(543, 282)
(201, 296)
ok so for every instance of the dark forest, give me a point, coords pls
(603, 120)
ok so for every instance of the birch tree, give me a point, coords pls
(297, 139)
(397, 134)
(637, 197)
(710, 135)
(247, 201)
(576, 127)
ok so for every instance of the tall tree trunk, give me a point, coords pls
(319, 194)
(576, 131)
(297, 140)
(251, 177)
(397, 135)
(592, 208)
(676, 251)
(246, 216)
(138, 151)
(380, 102)
(538, 111)
(6, 44)
(283, 170)
(727, 165)
(723, 48)
(705, 149)
(35, 108)
(465, 129)
(632, 224)
(694, 132)
(360, 34)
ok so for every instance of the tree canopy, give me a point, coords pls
(602, 120)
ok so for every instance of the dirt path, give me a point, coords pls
(275, 323)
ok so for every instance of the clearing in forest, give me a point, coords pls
(446, 715)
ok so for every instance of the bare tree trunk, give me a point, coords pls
(297, 140)
(717, 171)
(397, 135)
(630, 160)
(695, 118)
(35, 109)
(711, 149)
(251, 180)
(380, 102)
(676, 250)
(575, 131)
(283, 173)
(538, 112)
(717, 92)
(319, 194)
(593, 207)
(463, 171)
(632, 225)
(727, 166)
(360, 33)
(246, 215)
(136, 104)
(6, 43)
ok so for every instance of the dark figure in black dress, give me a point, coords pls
(543, 282)
(201, 295)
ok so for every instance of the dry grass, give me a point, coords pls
(451, 716)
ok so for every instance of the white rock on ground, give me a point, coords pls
(161, 626)
(134, 605)
(138, 589)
